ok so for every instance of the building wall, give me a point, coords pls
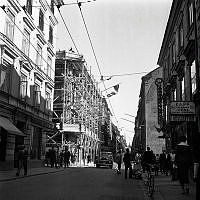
(27, 107)
(179, 59)
(151, 111)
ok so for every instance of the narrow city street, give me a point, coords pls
(74, 184)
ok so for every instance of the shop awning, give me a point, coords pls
(10, 127)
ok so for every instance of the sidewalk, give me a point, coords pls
(165, 189)
(11, 174)
(8, 175)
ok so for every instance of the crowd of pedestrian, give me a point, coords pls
(56, 158)
(178, 164)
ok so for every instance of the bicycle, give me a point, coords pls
(150, 182)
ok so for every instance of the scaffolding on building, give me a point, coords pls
(77, 102)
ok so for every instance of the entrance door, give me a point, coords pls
(3, 143)
(19, 140)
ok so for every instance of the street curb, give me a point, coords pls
(21, 177)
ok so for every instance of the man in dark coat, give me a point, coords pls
(184, 161)
(148, 158)
(52, 157)
(127, 163)
(67, 155)
(197, 164)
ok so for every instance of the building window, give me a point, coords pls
(41, 20)
(29, 6)
(191, 14)
(48, 101)
(193, 77)
(39, 56)
(49, 64)
(174, 52)
(183, 89)
(9, 29)
(26, 42)
(37, 94)
(23, 86)
(52, 6)
(51, 34)
(181, 36)
(5, 78)
(174, 95)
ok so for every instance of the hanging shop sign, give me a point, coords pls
(71, 128)
(182, 108)
(183, 118)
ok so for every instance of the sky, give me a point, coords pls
(126, 36)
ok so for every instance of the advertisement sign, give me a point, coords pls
(182, 108)
(183, 118)
(71, 128)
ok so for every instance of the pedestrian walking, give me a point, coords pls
(57, 160)
(174, 172)
(119, 161)
(52, 157)
(88, 158)
(184, 161)
(127, 163)
(61, 158)
(148, 158)
(47, 159)
(67, 155)
(22, 157)
(168, 164)
(162, 161)
(156, 167)
(197, 164)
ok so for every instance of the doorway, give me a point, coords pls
(3, 144)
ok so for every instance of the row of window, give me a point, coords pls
(37, 92)
(9, 32)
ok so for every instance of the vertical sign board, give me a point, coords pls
(151, 111)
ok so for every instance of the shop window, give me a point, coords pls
(36, 143)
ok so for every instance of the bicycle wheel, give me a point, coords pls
(151, 186)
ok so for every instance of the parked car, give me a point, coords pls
(105, 159)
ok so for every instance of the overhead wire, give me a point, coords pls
(128, 74)
(67, 30)
(96, 60)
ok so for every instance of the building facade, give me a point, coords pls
(78, 107)
(148, 119)
(27, 59)
(179, 58)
